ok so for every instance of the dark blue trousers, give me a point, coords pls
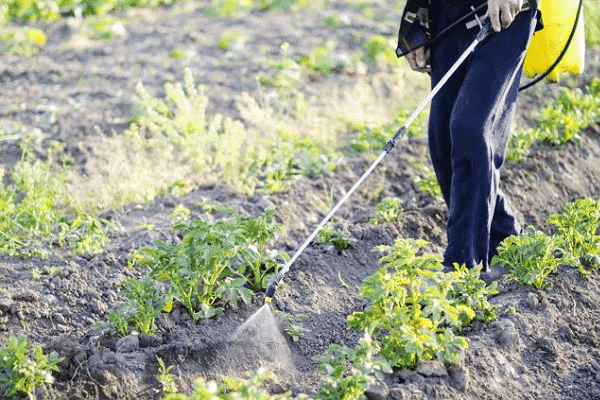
(469, 128)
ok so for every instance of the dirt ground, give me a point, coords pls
(545, 344)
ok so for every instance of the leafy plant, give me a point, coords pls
(531, 257)
(429, 183)
(577, 229)
(328, 235)
(23, 41)
(388, 210)
(24, 366)
(165, 377)
(520, 143)
(375, 137)
(324, 59)
(348, 373)
(258, 231)
(379, 48)
(413, 314)
(213, 208)
(215, 260)
(33, 216)
(142, 305)
(468, 289)
(560, 121)
(235, 290)
(293, 325)
(284, 73)
(232, 388)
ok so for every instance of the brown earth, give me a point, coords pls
(545, 344)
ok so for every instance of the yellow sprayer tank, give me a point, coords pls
(545, 48)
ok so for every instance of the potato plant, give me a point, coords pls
(143, 302)
(215, 260)
(337, 237)
(250, 388)
(375, 137)
(428, 183)
(577, 229)
(347, 374)
(388, 210)
(414, 315)
(24, 366)
(532, 255)
(559, 122)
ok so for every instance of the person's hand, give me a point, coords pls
(503, 12)
(418, 59)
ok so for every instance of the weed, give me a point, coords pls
(388, 210)
(342, 282)
(324, 59)
(33, 218)
(232, 41)
(379, 49)
(178, 131)
(284, 73)
(226, 8)
(180, 213)
(336, 21)
(375, 137)
(213, 208)
(592, 23)
(24, 366)
(104, 28)
(49, 10)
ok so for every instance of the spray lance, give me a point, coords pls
(485, 29)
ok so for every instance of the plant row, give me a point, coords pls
(561, 121)
(417, 312)
(213, 264)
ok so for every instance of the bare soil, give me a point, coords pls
(545, 344)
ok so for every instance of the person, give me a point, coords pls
(471, 116)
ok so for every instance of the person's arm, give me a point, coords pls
(414, 35)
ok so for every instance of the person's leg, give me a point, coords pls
(440, 147)
(479, 131)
